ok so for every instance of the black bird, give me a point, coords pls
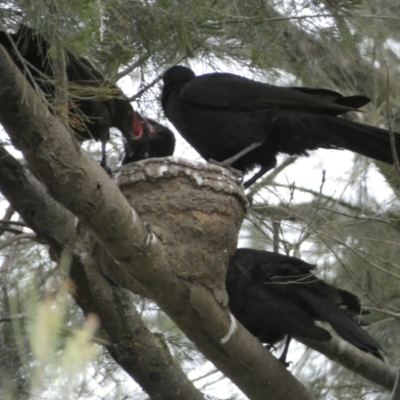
(95, 105)
(222, 114)
(151, 140)
(273, 296)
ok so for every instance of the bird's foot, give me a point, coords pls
(106, 168)
(270, 347)
(286, 364)
(263, 170)
(282, 358)
(235, 172)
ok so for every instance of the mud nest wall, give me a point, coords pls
(194, 209)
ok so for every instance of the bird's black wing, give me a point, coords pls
(331, 96)
(266, 313)
(294, 281)
(223, 90)
(280, 271)
(342, 323)
(272, 281)
(262, 310)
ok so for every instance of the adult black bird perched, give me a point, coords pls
(95, 105)
(222, 114)
(151, 140)
(273, 296)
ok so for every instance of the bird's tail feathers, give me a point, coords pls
(364, 139)
(342, 323)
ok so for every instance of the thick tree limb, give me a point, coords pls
(133, 346)
(40, 211)
(74, 179)
(356, 360)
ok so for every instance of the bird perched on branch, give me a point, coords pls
(95, 105)
(273, 296)
(245, 123)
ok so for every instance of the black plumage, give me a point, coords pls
(273, 296)
(151, 140)
(222, 114)
(95, 105)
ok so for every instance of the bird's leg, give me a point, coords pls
(103, 161)
(263, 170)
(233, 171)
(282, 358)
(229, 161)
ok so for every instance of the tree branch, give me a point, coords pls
(7, 218)
(19, 236)
(74, 179)
(142, 358)
(355, 360)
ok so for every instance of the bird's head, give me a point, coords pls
(150, 139)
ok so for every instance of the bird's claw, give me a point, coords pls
(270, 346)
(106, 168)
(235, 172)
(287, 364)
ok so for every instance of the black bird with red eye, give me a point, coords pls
(95, 105)
(273, 296)
(245, 123)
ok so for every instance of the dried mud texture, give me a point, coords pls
(195, 210)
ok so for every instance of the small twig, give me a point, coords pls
(315, 193)
(385, 312)
(206, 375)
(276, 227)
(389, 122)
(359, 217)
(321, 188)
(9, 222)
(326, 237)
(67, 330)
(270, 177)
(26, 64)
(7, 217)
(145, 88)
(396, 388)
(94, 339)
(17, 237)
(239, 19)
(132, 67)
(11, 230)
(13, 318)
(159, 76)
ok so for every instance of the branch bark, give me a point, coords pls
(356, 360)
(133, 346)
(74, 179)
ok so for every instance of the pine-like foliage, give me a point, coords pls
(333, 209)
